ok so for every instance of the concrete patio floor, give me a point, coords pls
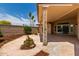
(57, 46)
(65, 38)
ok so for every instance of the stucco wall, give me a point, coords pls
(70, 21)
(49, 28)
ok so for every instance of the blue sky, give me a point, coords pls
(18, 11)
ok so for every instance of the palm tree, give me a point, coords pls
(31, 19)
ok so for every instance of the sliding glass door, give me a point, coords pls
(59, 29)
(64, 29)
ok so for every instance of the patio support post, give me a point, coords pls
(40, 28)
(45, 26)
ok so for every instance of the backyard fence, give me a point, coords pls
(8, 30)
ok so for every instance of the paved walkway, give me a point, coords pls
(53, 48)
(13, 48)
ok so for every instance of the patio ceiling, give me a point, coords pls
(58, 12)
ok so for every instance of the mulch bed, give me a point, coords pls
(23, 47)
(4, 42)
(11, 37)
(42, 53)
(8, 39)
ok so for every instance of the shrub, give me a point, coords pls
(4, 22)
(27, 29)
(28, 43)
(1, 34)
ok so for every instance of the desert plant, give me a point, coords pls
(27, 29)
(28, 43)
(1, 34)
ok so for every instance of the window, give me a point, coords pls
(59, 29)
(71, 28)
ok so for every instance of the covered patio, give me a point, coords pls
(59, 23)
(59, 19)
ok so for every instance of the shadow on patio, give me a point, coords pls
(64, 38)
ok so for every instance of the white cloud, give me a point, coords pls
(17, 21)
(13, 20)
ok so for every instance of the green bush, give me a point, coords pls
(27, 29)
(4, 22)
(1, 34)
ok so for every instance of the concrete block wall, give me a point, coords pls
(8, 30)
(34, 29)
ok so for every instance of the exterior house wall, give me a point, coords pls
(70, 21)
(49, 28)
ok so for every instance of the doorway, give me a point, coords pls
(65, 29)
